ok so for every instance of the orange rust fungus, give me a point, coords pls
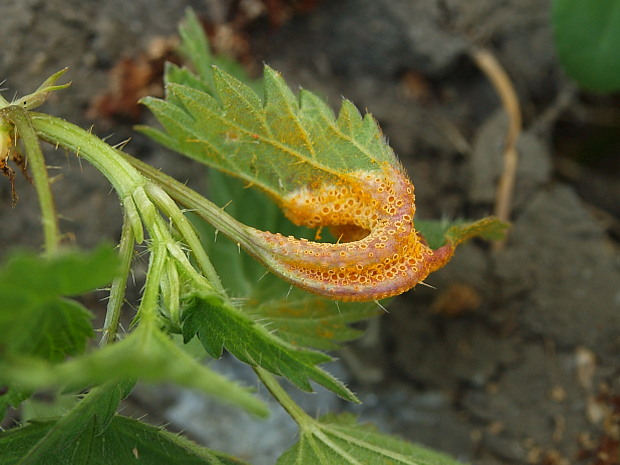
(379, 253)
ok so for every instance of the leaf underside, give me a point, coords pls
(219, 325)
(340, 440)
(123, 441)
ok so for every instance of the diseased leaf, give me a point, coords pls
(123, 441)
(296, 316)
(218, 325)
(321, 169)
(146, 354)
(587, 37)
(279, 143)
(340, 440)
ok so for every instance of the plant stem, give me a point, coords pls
(49, 219)
(132, 186)
(147, 311)
(201, 206)
(278, 392)
(167, 205)
(119, 284)
(123, 177)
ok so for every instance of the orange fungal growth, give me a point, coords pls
(379, 253)
(324, 171)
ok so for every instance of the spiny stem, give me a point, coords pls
(119, 284)
(26, 131)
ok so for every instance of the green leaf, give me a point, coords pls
(587, 35)
(52, 404)
(196, 51)
(12, 396)
(279, 142)
(438, 233)
(490, 228)
(91, 416)
(124, 441)
(218, 325)
(146, 354)
(339, 440)
(36, 320)
(184, 76)
(39, 96)
(306, 321)
(68, 273)
(434, 231)
(194, 45)
(51, 330)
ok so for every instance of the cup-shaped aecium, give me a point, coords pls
(378, 253)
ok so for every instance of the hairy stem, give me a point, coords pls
(123, 177)
(147, 311)
(278, 392)
(137, 193)
(26, 131)
(167, 205)
(119, 284)
(197, 203)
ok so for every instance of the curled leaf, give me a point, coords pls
(322, 170)
(379, 253)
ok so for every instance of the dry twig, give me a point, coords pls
(494, 71)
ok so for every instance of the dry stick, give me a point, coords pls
(500, 80)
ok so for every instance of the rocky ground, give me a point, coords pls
(512, 358)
